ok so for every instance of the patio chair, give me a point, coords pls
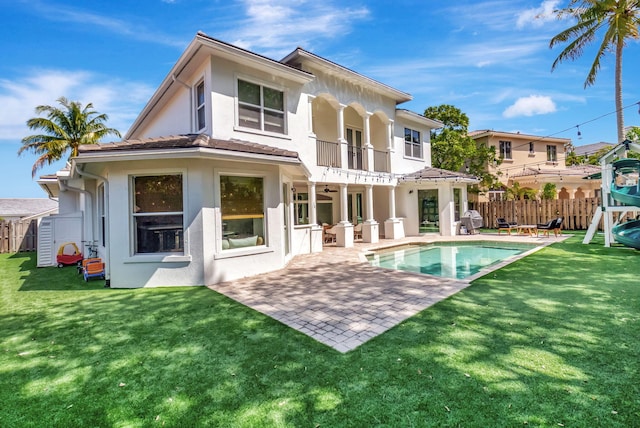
(504, 225)
(94, 268)
(554, 225)
(357, 231)
(329, 234)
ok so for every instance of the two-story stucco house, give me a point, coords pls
(240, 162)
(532, 161)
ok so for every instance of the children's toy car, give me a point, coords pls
(68, 254)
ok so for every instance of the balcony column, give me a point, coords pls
(390, 147)
(344, 150)
(393, 227)
(344, 229)
(369, 166)
(370, 227)
(310, 99)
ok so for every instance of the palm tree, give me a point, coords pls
(64, 130)
(618, 19)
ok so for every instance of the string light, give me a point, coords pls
(579, 133)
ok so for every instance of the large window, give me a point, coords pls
(158, 214)
(199, 106)
(242, 208)
(505, 149)
(412, 143)
(552, 155)
(260, 107)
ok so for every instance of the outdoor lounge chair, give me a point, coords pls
(504, 225)
(554, 225)
(357, 231)
(329, 234)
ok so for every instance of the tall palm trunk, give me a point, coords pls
(618, 89)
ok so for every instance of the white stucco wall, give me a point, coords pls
(203, 262)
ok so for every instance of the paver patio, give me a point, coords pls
(341, 301)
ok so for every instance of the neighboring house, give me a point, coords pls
(237, 162)
(14, 209)
(532, 161)
(591, 149)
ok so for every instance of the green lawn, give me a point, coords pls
(551, 340)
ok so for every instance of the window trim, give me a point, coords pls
(502, 153)
(413, 144)
(262, 108)
(255, 249)
(159, 256)
(200, 107)
(549, 152)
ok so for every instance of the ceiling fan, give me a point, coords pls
(327, 190)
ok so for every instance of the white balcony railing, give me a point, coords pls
(328, 153)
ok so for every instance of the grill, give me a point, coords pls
(471, 220)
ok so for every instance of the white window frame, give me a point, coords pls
(200, 107)
(245, 251)
(552, 153)
(413, 144)
(157, 256)
(261, 108)
(505, 148)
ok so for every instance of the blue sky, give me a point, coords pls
(490, 58)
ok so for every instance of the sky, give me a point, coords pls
(489, 58)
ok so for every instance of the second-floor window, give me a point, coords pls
(260, 107)
(412, 143)
(505, 149)
(531, 150)
(199, 106)
(552, 155)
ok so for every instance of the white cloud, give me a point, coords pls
(137, 31)
(530, 106)
(538, 16)
(121, 101)
(274, 26)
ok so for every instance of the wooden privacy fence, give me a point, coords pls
(577, 213)
(18, 236)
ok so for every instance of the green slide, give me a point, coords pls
(627, 233)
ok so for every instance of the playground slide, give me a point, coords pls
(627, 233)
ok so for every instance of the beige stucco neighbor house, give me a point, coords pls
(238, 162)
(532, 161)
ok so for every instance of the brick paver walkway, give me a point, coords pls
(339, 300)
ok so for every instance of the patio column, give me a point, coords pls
(344, 229)
(344, 150)
(370, 227)
(393, 227)
(316, 229)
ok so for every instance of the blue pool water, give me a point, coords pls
(447, 259)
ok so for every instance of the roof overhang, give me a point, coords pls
(331, 67)
(418, 118)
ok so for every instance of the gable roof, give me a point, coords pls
(299, 54)
(25, 207)
(201, 47)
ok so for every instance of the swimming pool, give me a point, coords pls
(448, 259)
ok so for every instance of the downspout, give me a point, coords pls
(107, 261)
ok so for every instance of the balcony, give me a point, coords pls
(381, 161)
(355, 155)
(328, 154)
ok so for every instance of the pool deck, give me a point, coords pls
(340, 300)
